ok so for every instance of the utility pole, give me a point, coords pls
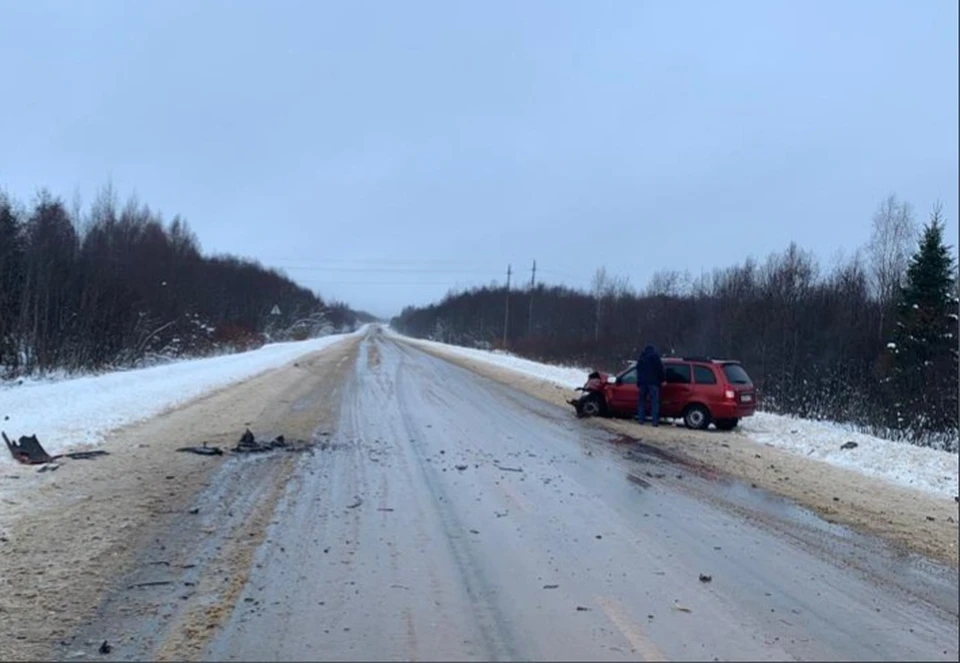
(506, 313)
(533, 284)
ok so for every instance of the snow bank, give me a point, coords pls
(905, 464)
(925, 469)
(64, 413)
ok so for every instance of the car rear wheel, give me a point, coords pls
(726, 424)
(592, 406)
(696, 417)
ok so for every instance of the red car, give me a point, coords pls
(699, 390)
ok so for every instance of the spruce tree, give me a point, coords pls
(925, 375)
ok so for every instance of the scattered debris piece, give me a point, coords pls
(473, 531)
(155, 583)
(849, 445)
(637, 480)
(384, 508)
(498, 514)
(581, 608)
(550, 586)
(49, 467)
(249, 444)
(931, 518)
(705, 578)
(680, 608)
(194, 511)
(85, 455)
(509, 469)
(106, 648)
(461, 467)
(599, 536)
(355, 504)
(29, 451)
(203, 450)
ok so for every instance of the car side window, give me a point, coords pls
(630, 377)
(704, 375)
(677, 373)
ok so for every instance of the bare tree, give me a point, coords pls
(599, 287)
(888, 252)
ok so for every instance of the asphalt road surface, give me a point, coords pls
(449, 517)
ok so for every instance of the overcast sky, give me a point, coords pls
(383, 152)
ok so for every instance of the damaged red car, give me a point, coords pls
(699, 390)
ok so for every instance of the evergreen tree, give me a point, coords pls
(925, 377)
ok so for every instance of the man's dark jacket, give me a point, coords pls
(649, 368)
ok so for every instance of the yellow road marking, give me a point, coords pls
(641, 644)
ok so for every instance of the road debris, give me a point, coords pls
(550, 586)
(385, 508)
(155, 583)
(509, 469)
(359, 501)
(49, 467)
(849, 445)
(203, 450)
(460, 467)
(633, 478)
(705, 578)
(105, 648)
(581, 608)
(249, 444)
(28, 451)
(680, 608)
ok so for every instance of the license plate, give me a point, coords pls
(746, 398)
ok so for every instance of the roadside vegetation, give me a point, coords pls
(870, 340)
(117, 286)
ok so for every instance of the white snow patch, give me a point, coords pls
(66, 413)
(925, 469)
(900, 463)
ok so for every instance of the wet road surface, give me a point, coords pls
(451, 518)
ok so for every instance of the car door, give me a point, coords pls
(624, 394)
(708, 389)
(676, 390)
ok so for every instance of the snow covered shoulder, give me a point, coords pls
(80, 411)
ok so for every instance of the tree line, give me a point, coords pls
(117, 286)
(870, 340)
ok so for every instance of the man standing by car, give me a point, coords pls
(649, 378)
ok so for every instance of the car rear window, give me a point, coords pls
(703, 375)
(735, 374)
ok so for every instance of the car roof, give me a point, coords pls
(701, 360)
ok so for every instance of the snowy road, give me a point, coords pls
(452, 518)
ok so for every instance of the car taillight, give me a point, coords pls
(729, 394)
